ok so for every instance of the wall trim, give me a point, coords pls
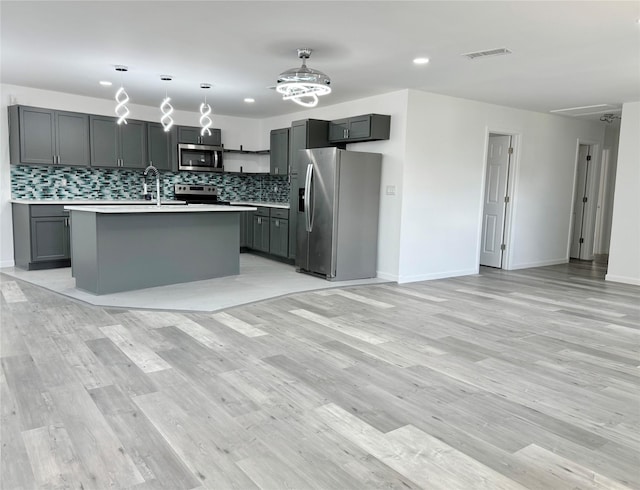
(7, 263)
(387, 277)
(623, 279)
(437, 275)
(540, 263)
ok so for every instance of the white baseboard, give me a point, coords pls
(540, 263)
(387, 277)
(624, 279)
(7, 263)
(438, 275)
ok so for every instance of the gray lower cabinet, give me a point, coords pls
(260, 233)
(368, 127)
(118, 145)
(162, 147)
(48, 137)
(269, 231)
(279, 237)
(246, 229)
(41, 236)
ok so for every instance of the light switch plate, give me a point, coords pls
(391, 190)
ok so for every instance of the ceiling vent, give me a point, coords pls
(488, 52)
(587, 110)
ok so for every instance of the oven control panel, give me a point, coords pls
(207, 190)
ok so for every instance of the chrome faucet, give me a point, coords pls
(151, 168)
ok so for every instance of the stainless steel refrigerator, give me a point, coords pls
(338, 201)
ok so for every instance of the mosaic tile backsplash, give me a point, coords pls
(47, 182)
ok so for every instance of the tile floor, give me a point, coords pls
(259, 279)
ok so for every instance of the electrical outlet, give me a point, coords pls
(391, 190)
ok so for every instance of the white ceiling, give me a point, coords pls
(565, 54)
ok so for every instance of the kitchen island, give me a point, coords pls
(121, 248)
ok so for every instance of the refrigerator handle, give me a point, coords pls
(307, 196)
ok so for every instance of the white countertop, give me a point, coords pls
(83, 202)
(264, 204)
(152, 208)
(108, 202)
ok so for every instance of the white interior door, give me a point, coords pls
(579, 203)
(495, 194)
(599, 246)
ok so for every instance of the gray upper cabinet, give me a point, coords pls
(114, 145)
(261, 226)
(48, 137)
(279, 151)
(308, 133)
(368, 127)
(162, 149)
(191, 135)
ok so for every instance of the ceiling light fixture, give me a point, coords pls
(166, 108)
(421, 61)
(303, 85)
(249, 100)
(122, 111)
(105, 83)
(205, 111)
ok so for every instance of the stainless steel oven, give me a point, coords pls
(197, 194)
(203, 158)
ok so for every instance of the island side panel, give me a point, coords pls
(143, 250)
(84, 244)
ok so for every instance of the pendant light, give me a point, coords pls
(303, 85)
(166, 108)
(205, 111)
(122, 111)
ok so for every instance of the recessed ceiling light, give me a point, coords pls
(105, 83)
(249, 100)
(421, 61)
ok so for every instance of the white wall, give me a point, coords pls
(624, 250)
(236, 131)
(394, 104)
(443, 181)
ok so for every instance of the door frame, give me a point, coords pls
(510, 211)
(593, 183)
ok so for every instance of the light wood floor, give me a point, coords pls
(523, 379)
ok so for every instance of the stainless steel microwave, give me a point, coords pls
(202, 158)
